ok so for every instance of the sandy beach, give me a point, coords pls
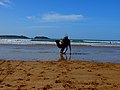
(59, 75)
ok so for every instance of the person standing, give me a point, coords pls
(65, 44)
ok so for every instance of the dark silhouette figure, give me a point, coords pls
(64, 44)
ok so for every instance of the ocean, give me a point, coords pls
(46, 50)
(51, 41)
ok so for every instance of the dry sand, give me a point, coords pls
(59, 75)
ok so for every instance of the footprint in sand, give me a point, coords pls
(58, 81)
(47, 87)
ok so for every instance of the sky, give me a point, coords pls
(79, 19)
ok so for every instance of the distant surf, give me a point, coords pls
(73, 42)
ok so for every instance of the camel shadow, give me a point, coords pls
(64, 57)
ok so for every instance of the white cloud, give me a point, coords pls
(33, 18)
(5, 3)
(60, 17)
(53, 17)
(30, 17)
(42, 27)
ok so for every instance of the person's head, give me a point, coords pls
(66, 36)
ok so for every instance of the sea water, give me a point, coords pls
(73, 42)
(46, 50)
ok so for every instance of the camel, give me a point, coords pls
(63, 45)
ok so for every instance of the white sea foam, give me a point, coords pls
(23, 41)
(73, 42)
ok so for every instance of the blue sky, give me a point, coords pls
(80, 19)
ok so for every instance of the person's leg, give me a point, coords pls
(66, 49)
(62, 49)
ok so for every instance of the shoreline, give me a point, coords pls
(87, 45)
(60, 75)
(59, 60)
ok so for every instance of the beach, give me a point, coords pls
(42, 67)
(59, 45)
(59, 75)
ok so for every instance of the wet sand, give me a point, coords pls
(59, 75)
(51, 52)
